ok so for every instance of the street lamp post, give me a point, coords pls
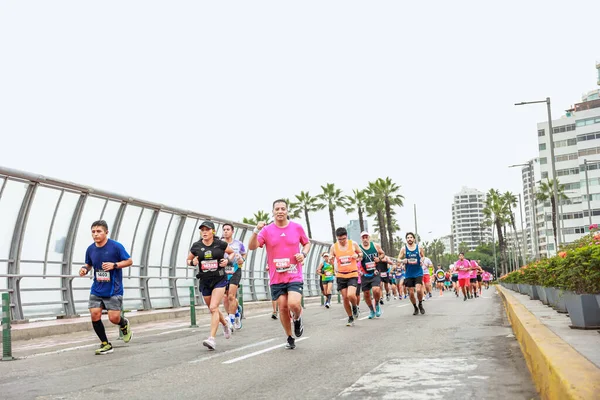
(494, 247)
(524, 255)
(552, 164)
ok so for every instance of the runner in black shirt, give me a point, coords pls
(212, 255)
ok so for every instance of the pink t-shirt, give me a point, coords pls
(463, 264)
(282, 246)
(474, 271)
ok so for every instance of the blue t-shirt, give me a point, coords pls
(106, 283)
(413, 267)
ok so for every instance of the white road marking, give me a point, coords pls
(232, 351)
(256, 353)
(180, 330)
(258, 316)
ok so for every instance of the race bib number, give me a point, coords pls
(102, 276)
(370, 266)
(230, 269)
(384, 274)
(412, 261)
(328, 273)
(209, 265)
(282, 264)
(345, 261)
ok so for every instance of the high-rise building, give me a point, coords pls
(576, 138)
(531, 178)
(353, 229)
(468, 218)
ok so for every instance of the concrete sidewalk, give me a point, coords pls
(564, 362)
(33, 330)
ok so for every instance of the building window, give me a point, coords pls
(543, 160)
(542, 146)
(588, 121)
(544, 175)
(541, 132)
(588, 136)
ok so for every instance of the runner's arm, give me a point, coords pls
(190, 260)
(359, 253)
(320, 269)
(124, 263)
(253, 243)
(402, 255)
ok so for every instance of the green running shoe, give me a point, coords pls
(127, 334)
(104, 349)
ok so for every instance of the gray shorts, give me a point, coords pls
(108, 303)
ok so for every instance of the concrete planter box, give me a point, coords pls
(559, 301)
(523, 288)
(583, 309)
(550, 295)
(532, 292)
(541, 292)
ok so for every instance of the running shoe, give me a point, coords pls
(237, 322)
(416, 312)
(354, 312)
(291, 343)
(210, 343)
(298, 327)
(104, 349)
(381, 301)
(350, 321)
(227, 329)
(127, 334)
(327, 305)
(387, 298)
(371, 314)
(378, 311)
(421, 308)
(274, 316)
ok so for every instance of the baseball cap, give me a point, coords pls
(208, 224)
(363, 233)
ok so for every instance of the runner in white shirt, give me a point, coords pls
(426, 263)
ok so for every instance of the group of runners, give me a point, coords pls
(355, 268)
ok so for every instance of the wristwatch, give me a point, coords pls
(304, 254)
(115, 266)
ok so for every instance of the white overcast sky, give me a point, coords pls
(221, 107)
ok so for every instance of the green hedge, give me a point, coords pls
(575, 268)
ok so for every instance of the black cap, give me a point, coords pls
(208, 224)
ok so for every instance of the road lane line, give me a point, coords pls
(180, 330)
(256, 353)
(232, 351)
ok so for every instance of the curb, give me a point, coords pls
(557, 369)
(80, 324)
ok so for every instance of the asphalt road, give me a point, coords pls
(457, 350)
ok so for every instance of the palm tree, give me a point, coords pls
(437, 249)
(357, 202)
(389, 192)
(294, 209)
(463, 247)
(331, 198)
(375, 206)
(307, 204)
(258, 216)
(544, 193)
(495, 215)
(511, 202)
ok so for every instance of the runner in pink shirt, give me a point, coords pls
(463, 266)
(287, 247)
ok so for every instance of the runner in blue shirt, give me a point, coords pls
(107, 258)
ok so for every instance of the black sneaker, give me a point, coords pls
(298, 327)
(381, 301)
(465, 299)
(291, 343)
(421, 308)
(354, 312)
(416, 311)
(274, 316)
(350, 321)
